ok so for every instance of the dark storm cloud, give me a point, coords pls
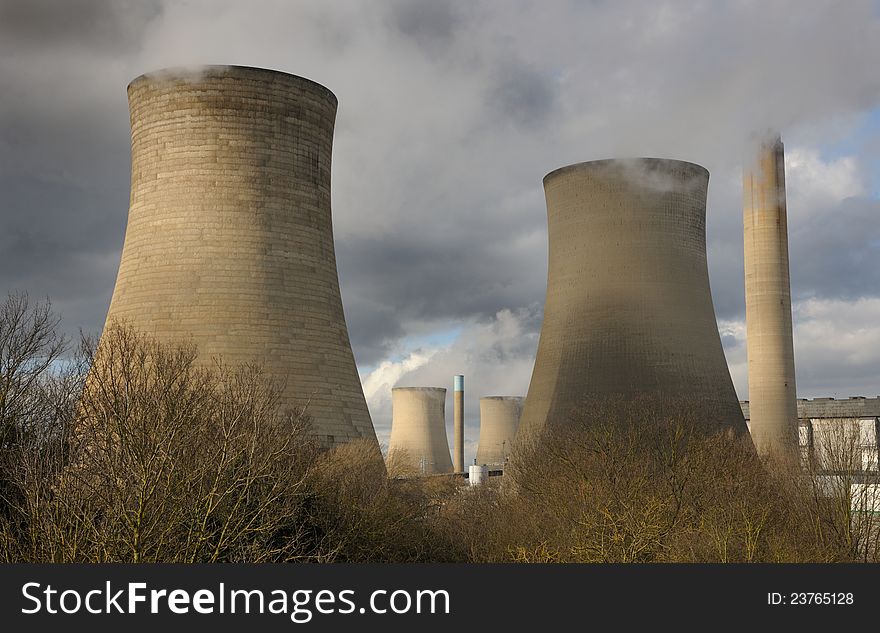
(113, 26)
(64, 148)
(836, 254)
(61, 239)
(523, 94)
(407, 278)
(373, 329)
(432, 25)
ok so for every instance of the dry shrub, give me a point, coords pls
(29, 346)
(167, 461)
(830, 498)
(364, 515)
(645, 481)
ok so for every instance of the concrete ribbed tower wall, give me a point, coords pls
(499, 421)
(628, 311)
(229, 241)
(772, 390)
(418, 440)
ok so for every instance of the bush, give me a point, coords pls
(165, 461)
(644, 481)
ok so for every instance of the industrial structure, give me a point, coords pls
(628, 311)
(478, 474)
(418, 440)
(834, 431)
(458, 424)
(499, 421)
(772, 393)
(229, 241)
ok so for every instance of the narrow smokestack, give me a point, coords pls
(458, 425)
(772, 396)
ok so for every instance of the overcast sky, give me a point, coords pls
(450, 113)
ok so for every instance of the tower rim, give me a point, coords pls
(641, 161)
(188, 73)
(417, 389)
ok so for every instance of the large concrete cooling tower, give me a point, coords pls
(772, 398)
(230, 242)
(628, 310)
(499, 421)
(418, 430)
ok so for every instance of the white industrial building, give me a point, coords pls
(840, 435)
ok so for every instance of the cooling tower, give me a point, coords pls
(458, 424)
(418, 429)
(772, 398)
(229, 241)
(499, 420)
(628, 312)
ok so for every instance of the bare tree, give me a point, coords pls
(170, 461)
(29, 345)
(839, 486)
(37, 389)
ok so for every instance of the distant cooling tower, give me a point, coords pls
(230, 242)
(499, 421)
(418, 429)
(628, 311)
(772, 398)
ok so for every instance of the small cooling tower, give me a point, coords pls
(418, 430)
(499, 421)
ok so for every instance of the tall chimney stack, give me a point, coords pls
(772, 395)
(458, 425)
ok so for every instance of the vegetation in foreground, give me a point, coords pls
(133, 451)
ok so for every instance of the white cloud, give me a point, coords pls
(836, 348)
(379, 381)
(814, 184)
(733, 337)
(496, 358)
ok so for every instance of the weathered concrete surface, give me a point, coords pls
(772, 396)
(458, 425)
(418, 430)
(230, 240)
(628, 311)
(499, 421)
